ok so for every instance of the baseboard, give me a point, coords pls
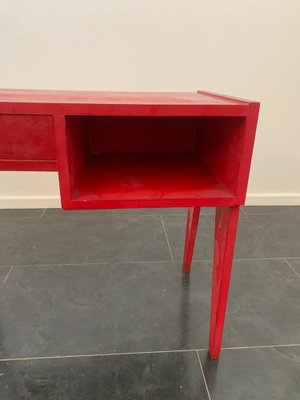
(273, 199)
(30, 202)
(265, 199)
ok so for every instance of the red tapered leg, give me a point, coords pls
(190, 237)
(225, 234)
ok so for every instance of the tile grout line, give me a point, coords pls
(253, 259)
(141, 353)
(164, 228)
(148, 262)
(91, 263)
(41, 216)
(266, 346)
(292, 268)
(204, 379)
(6, 277)
(130, 353)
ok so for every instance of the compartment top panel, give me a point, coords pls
(124, 103)
(78, 97)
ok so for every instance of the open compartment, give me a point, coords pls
(128, 161)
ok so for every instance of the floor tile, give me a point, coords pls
(79, 240)
(259, 236)
(249, 244)
(295, 264)
(272, 210)
(175, 228)
(281, 234)
(21, 213)
(257, 374)
(263, 306)
(143, 307)
(134, 377)
(103, 309)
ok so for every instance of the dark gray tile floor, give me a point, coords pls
(295, 265)
(259, 236)
(260, 374)
(141, 376)
(59, 240)
(94, 306)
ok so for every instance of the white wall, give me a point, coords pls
(245, 48)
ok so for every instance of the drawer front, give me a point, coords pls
(27, 143)
(26, 137)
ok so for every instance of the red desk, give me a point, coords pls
(130, 150)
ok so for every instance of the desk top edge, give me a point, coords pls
(199, 98)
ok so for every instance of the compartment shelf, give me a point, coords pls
(155, 179)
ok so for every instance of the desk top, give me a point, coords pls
(19, 101)
(91, 97)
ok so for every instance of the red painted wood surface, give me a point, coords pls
(114, 163)
(141, 134)
(16, 104)
(119, 103)
(27, 142)
(124, 150)
(145, 180)
(225, 233)
(190, 237)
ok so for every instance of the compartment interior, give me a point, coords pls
(160, 158)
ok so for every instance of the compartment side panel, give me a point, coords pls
(77, 147)
(219, 144)
(72, 152)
